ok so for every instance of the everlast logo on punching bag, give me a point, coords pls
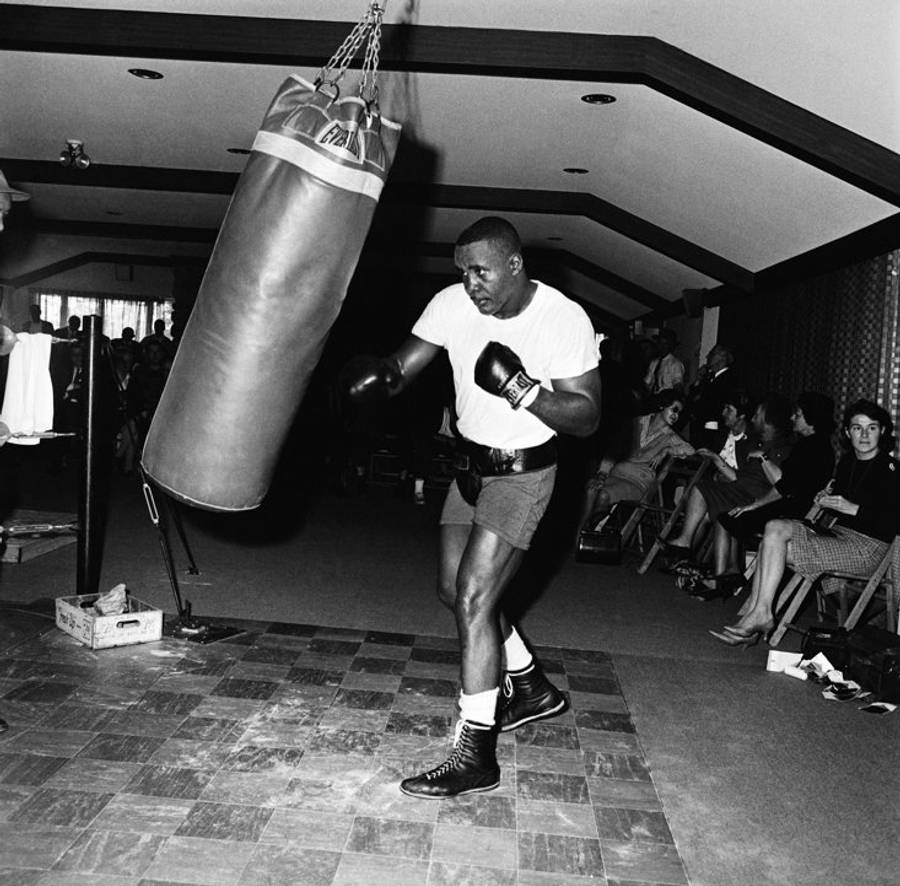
(344, 136)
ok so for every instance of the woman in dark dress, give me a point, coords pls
(863, 495)
(770, 428)
(795, 482)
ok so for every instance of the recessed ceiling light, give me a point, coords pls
(554, 238)
(145, 74)
(598, 98)
(576, 170)
(238, 150)
(114, 212)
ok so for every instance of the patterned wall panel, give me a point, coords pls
(836, 334)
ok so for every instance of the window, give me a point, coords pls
(117, 312)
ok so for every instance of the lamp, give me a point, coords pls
(73, 154)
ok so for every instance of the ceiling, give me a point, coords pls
(749, 145)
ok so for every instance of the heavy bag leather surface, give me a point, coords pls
(273, 288)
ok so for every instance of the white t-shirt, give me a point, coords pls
(553, 338)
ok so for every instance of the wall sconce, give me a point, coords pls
(73, 154)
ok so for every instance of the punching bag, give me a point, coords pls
(277, 277)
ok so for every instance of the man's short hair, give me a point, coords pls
(492, 229)
(727, 352)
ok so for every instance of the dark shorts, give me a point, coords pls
(510, 506)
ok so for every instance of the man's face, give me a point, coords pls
(5, 206)
(488, 275)
(717, 359)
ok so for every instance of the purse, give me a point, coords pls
(602, 545)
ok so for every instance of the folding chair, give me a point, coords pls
(799, 586)
(693, 469)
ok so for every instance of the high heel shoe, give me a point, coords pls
(745, 640)
(737, 631)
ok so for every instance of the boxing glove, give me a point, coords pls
(367, 379)
(499, 371)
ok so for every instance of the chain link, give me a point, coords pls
(368, 30)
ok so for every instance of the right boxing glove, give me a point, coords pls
(367, 379)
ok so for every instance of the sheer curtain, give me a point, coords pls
(117, 311)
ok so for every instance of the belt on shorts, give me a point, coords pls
(490, 462)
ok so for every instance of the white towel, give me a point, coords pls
(28, 400)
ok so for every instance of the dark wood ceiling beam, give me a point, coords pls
(448, 196)
(471, 51)
(602, 276)
(572, 203)
(770, 119)
(869, 242)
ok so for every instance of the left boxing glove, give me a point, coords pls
(367, 379)
(499, 371)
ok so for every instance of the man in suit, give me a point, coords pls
(716, 382)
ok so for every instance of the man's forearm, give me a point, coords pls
(566, 413)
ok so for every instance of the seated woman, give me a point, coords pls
(746, 483)
(863, 494)
(794, 484)
(628, 480)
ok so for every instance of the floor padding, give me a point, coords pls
(274, 758)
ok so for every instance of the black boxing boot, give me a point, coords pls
(470, 768)
(527, 696)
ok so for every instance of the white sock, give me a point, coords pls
(420, 484)
(516, 653)
(480, 707)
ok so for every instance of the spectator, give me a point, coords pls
(863, 496)
(130, 405)
(70, 330)
(752, 479)
(715, 382)
(654, 439)
(795, 482)
(665, 372)
(35, 324)
(160, 338)
(151, 375)
(127, 340)
(619, 405)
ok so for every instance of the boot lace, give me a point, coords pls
(450, 763)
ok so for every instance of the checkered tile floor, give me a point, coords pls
(274, 758)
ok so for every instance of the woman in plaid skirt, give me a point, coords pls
(864, 497)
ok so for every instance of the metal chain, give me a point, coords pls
(367, 28)
(368, 84)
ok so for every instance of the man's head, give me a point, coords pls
(74, 323)
(667, 341)
(737, 411)
(719, 357)
(127, 334)
(489, 256)
(773, 416)
(8, 196)
(159, 327)
(35, 311)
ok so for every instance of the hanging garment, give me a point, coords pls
(28, 399)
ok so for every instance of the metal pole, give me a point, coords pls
(89, 517)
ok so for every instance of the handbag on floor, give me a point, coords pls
(603, 545)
